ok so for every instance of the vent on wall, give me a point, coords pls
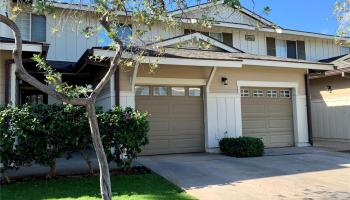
(250, 37)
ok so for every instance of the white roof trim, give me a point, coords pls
(25, 47)
(219, 63)
(170, 81)
(175, 61)
(341, 59)
(196, 36)
(287, 64)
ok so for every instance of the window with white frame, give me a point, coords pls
(32, 27)
(285, 94)
(142, 90)
(217, 36)
(194, 92)
(160, 91)
(271, 93)
(245, 93)
(281, 48)
(178, 91)
(258, 93)
(344, 50)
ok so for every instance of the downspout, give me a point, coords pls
(308, 107)
(117, 87)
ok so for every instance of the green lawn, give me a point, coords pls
(133, 187)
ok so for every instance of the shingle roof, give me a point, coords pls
(213, 55)
(332, 59)
(342, 61)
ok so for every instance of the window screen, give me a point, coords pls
(38, 28)
(271, 46)
(291, 49)
(301, 50)
(23, 23)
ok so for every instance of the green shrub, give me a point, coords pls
(124, 133)
(43, 133)
(242, 147)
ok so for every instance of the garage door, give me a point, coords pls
(176, 121)
(267, 113)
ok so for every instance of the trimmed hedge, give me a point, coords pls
(43, 133)
(242, 147)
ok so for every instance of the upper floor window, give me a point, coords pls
(32, 27)
(344, 50)
(285, 48)
(217, 36)
(124, 32)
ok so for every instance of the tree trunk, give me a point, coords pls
(105, 182)
(52, 173)
(87, 159)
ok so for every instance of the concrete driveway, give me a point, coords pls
(291, 173)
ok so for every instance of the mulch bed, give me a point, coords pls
(133, 171)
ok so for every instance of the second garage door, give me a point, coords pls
(267, 113)
(176, 121)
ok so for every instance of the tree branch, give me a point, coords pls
(25, 76)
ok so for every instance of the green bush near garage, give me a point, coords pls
(26, 131)
(242, 147)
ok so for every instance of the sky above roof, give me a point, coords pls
(305, 15)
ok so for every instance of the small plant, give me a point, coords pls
(124, 133)
(242, 147)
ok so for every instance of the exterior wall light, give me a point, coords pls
(329, 88)
(224, 80)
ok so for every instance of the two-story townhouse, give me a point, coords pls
(252, 81)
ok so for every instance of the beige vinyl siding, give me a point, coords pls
(169, 71)
(4, 55)
(253, 73)
(331, 112)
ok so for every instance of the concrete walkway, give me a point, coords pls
(75, 165)
(287, 173)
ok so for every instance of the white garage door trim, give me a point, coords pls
(301, 137)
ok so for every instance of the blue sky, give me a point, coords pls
(306, 15)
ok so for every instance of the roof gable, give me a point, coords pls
(196, 41)
(339, 61)
(224, 13)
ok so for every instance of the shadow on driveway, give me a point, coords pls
(285, 173)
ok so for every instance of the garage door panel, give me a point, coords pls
(188, 143)
(268, 118)
(187, 125)
(280, 123)
(157, 144)
(176, 124)
(159, 125)
(253, 108)
(253, 124)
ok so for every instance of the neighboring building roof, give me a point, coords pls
(342, 61)
(344, 72)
